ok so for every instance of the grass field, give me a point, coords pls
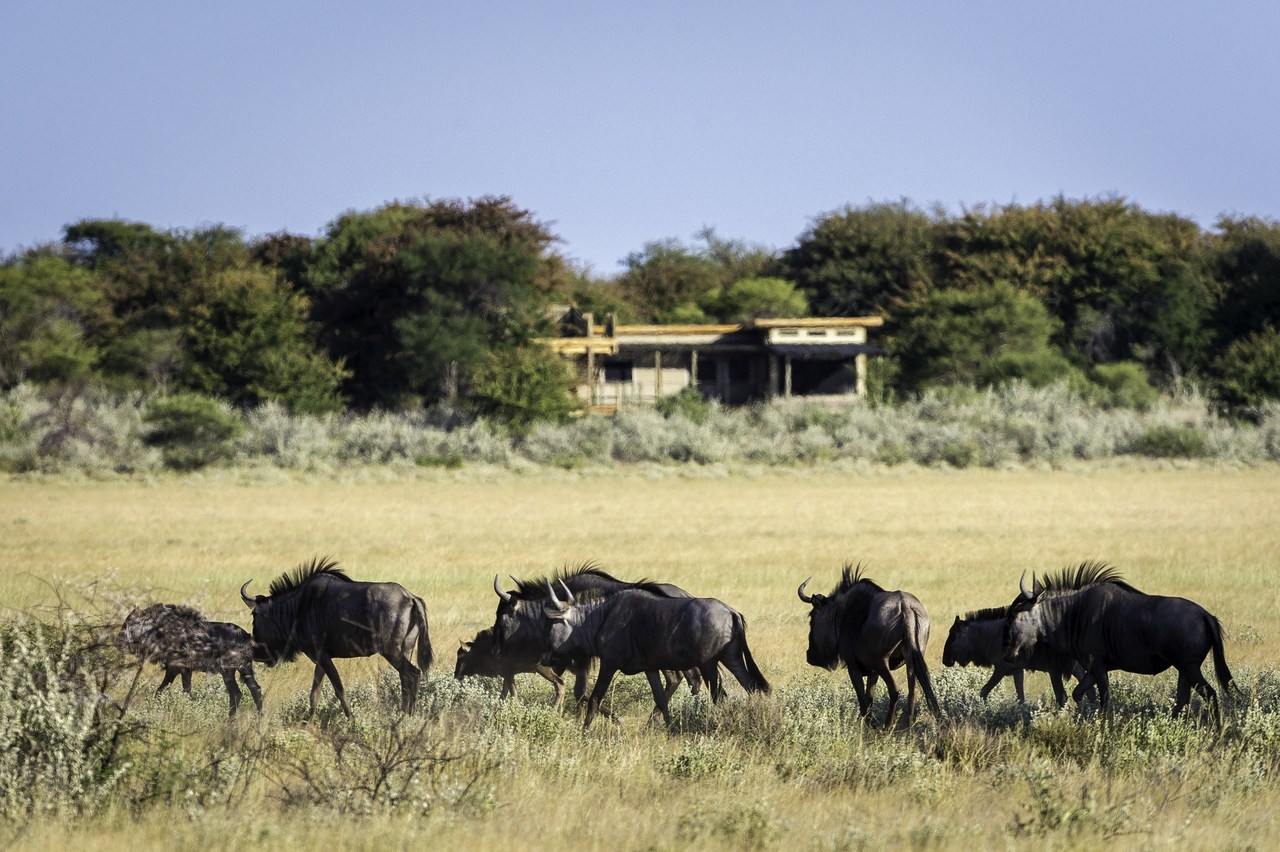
(792, 769)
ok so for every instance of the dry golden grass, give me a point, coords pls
(958, 541)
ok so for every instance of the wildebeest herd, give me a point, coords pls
(1079, 623)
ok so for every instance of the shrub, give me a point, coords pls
(192, 430)
(688, 402)
(1170, 442)
(1123, 385)
(57, 738)
(521, 387)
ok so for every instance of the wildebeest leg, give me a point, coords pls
(1104, 686)
(890, 685)
(996, 677)
(508, 687)
(694, 678)
(1183, 694)
(862, 691)
(317, 680)
(659, 696)
(186, 681)
(1059, 691)
(1210, 697)
(557, 683)
(410, 679)
(325, 666)
(673, 680)
(233, 691)
(254, 690)
(711, 677)
(597, 694)
(170, 675)
(1019, 685)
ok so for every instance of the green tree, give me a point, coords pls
(965, 337)
(1124, 284)
(48, 310)
(754, 298)
(1249, 370)
(1246, 259)
(864, 261)
(664, 281)
(414, 296)
(521, 386)
(195, 310)
(248, 340)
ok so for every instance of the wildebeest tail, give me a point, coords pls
(1219, 657)
(918, 638)
(424, 637)
(757, 678)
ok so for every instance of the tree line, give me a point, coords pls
(428, 302)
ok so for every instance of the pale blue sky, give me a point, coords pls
(621, 123)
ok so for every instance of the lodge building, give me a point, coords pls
(761, 359)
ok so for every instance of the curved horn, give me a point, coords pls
(800, 591)
(552, 594)
(1036, 586)
(506, 596)
(248, 601)
(1022, 586)
(568, 595)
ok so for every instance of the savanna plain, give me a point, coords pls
(794, 769)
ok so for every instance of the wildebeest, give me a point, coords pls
(632, 631)
(320, 612)
(978, 638)
(182, 641)
(477, 657)
(519, 627)
(1113, 626)
(871, 631)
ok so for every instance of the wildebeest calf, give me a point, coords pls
(477, 657)
(183, 641)
(978, 639)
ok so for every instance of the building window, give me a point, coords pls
(617, 371)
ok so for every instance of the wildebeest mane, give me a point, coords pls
(991, 613)
(537, 589)
(291, 580)
(1082, 576)
(851, 576)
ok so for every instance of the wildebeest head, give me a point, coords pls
(273, 640)
(824, 628)
(957, 644)
(462, 667)
(507, 620)
(1023, 625)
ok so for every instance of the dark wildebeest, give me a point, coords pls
(519, 627)
(978, 639)
(632, 631)
(183, 641)
(322, 613)
(478, 658)
(1113, 626)
(872, 632)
